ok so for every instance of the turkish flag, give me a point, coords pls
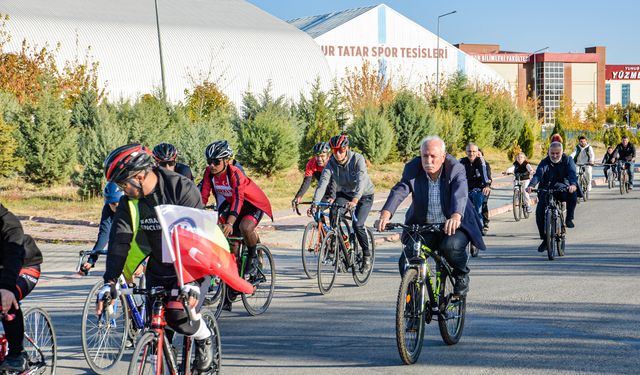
(199, 257)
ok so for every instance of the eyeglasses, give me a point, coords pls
(215, 162)
(167, 163)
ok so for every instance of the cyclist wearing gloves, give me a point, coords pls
(166, 154)
(353, 188)
(313, 170)
(19, 274)
(556, 170)
(112, 195)
(136, 234)
(241, 203)
(626, 153)
(584, 155)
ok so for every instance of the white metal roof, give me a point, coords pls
(318, 25)
(230, 42)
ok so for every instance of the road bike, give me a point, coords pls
(340, 249)
(519, 203)
(105, 336)
(554, 224)
(39, 342)
(583, 181)
(425, 292)
(264, 280)
(314, 233)
(155, 354)
(623, 176)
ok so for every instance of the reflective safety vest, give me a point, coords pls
(136, 254)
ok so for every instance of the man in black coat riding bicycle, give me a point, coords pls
(555, 171)
(438, 186)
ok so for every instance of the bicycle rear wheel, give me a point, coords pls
(516, 205)
(40, 341)
(210, 319)
(328, 262)
(524, 207)
(452, 312)
(310, 249)
(409, 317)
(549, 230)
(360, 276)
(144, 360)
(104, 339)
(265, 281)
(214, 300)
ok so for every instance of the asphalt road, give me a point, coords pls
(525, 314)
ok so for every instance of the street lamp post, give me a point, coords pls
(438, 54)
(164, 87)
(535, 80)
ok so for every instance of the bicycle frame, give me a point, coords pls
(345, 253)
(4, 349)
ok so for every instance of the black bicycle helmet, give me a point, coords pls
(218, 150)
(124, 160)
(321, 147)
(165, 152)
(338, 141)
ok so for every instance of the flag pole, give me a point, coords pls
(178, 256)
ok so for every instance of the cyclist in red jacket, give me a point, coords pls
(313, 170)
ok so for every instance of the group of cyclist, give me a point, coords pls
(446, 192)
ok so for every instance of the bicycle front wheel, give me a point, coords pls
(103, 338)
(516, 205)
(409, 317)
(40, 340)
(265, 282)
(328, 262)
(144, 360)
(610, 178)
(311, 242)
(214, 301)
(585, 188)
(452, 310)
(360, 275)
(622, 180)
(549, 230)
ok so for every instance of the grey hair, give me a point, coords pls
(430, 138)
(471, 144)
(555, 144)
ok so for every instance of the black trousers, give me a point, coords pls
(485, 212)
(361, 212)
(570, 198)
(453, 248)
(14, 329)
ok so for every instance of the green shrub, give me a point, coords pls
(507, 121)
(559, 129)
(449, 128)
(48, 142)
(319, 119)
(10, 163)
(95, 143)
(412, 120)
(193, 138)
(526, 140)
(268, 141)
(372, 134)
(84, 114)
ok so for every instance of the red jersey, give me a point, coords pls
(234, 187)
(312, 168)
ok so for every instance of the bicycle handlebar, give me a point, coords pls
(433, 228)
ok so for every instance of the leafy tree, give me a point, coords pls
(412, 119)
(372, 134)
(559, 129)
(10, 163)
(48, 143)
(206, 100)
(268, 141)
(319, 115)
(507, 120)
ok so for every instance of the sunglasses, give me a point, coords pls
(215, 162)
(338, 149)
(167, 163)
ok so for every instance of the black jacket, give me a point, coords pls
(627, 153)
(475, 173)
(17, 249)
(172, 188)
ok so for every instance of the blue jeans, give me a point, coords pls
(477, 199)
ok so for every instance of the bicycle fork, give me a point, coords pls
(429, 309)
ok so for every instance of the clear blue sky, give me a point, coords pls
(525, 26)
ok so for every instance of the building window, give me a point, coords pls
(550, 78)
(626, 94)
(607, 94)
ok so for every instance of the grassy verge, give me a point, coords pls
(62, 202)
